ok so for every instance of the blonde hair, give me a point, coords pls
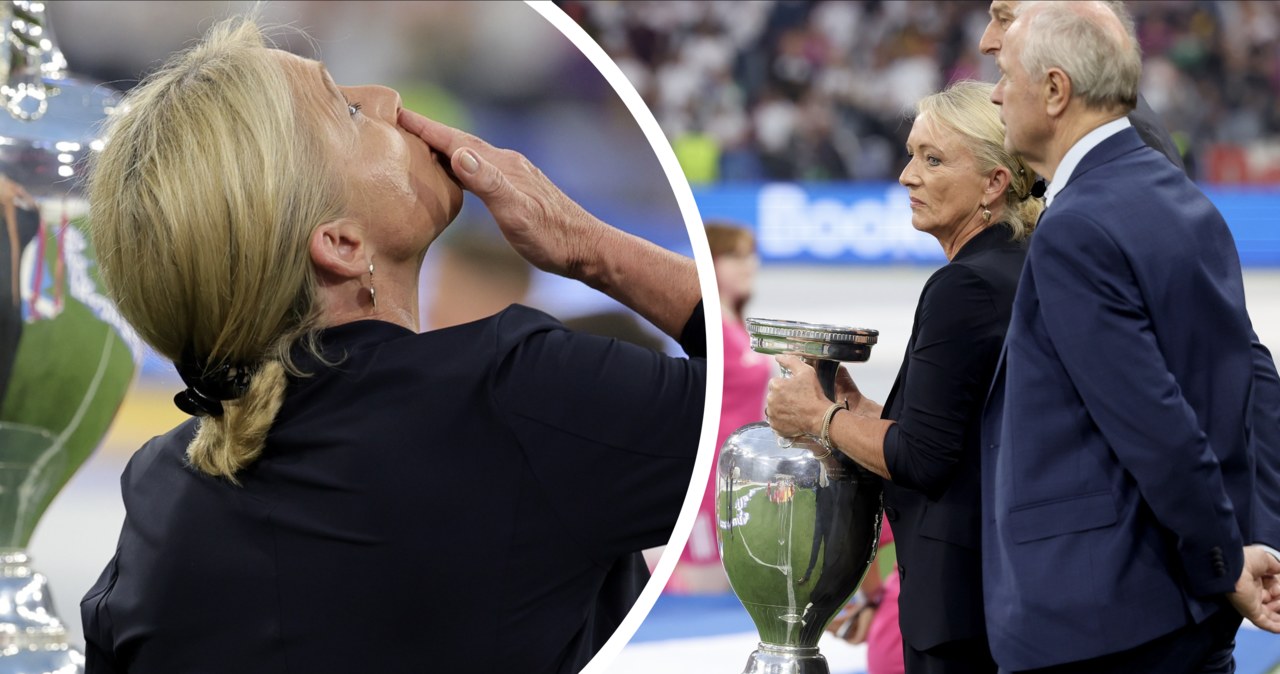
(966, 109)
(202, 205)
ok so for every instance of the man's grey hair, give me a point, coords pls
(1105, 66)
(1117, 7)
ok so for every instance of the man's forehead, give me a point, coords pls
(1004, 7)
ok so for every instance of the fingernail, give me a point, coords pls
(469, 162)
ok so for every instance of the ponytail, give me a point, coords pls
(228, 443)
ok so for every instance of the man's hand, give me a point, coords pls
(1257, 595)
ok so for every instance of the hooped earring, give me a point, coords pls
(986, 214)
(373, 294)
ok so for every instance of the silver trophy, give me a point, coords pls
(797, 532)
(66, 357)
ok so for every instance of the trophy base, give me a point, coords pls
(774, 659)
(32, 639)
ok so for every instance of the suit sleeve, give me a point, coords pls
(1096, 319)
(957, 342)
(1264, 447)
(609, 429)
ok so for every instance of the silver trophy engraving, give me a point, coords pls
(797, 532)
(66, 357)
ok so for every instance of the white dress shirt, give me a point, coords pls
(1077, 152)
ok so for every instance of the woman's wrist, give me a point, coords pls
(656, 283)
(586, 246)
(828, 418)
(817, 416)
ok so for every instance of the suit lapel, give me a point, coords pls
(1121, 143)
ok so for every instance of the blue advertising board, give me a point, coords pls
(870, 223)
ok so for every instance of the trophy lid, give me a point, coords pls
(811, 340)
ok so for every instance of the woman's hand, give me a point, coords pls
(859, 404)
(795, 405)
(541, 223)
(555, 234)
(846, 389)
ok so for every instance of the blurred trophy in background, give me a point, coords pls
(66, 357)
(798, 524)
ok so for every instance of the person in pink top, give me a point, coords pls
(872, 616)
(746, 378)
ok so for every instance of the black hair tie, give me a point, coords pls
(206, 389)
(1038, 188)
(197, 404)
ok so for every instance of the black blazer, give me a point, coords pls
(1148, 125)
(932, 452)
(463, 500)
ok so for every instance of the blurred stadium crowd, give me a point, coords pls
(792, 90)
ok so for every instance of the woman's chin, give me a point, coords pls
(920, 225)
(453, 189)
(454, 199)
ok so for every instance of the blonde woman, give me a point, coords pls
(351, 496)
(975, 198)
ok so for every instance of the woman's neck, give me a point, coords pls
(953, 241)
(396, 290)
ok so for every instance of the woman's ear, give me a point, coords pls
(338, 250)
(997, 184)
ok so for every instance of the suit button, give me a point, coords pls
(890, 514)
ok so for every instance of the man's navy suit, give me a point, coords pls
(1118, 471)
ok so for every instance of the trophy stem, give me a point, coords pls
(775, 659)
(826, 370)
(32, 638)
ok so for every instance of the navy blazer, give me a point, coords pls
(1118, 476)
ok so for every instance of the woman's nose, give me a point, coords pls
(908, 175)
(375, 101)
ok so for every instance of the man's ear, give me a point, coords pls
(1057, 92)
(338, 250)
